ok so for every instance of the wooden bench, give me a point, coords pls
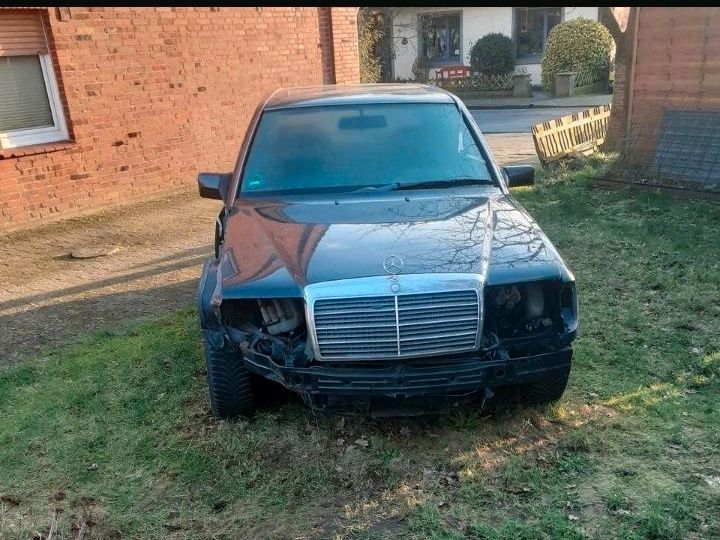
(454, 72)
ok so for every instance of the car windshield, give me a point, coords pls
(341, 148)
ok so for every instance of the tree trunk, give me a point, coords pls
(623, 59)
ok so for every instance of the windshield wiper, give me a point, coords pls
(451, 182)
(426, 184)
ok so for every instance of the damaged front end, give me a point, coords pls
(525, 334)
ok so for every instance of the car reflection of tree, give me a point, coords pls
(291, 250)
(516, 240)
(461, 229)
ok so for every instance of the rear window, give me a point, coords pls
(345, 147)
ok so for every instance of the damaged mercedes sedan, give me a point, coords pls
(369, 256)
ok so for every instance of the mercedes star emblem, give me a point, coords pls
(393, 264)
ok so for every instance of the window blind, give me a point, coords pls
(23, 96)
(21, 33)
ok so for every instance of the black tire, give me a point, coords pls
(229, 382)
(545, 390)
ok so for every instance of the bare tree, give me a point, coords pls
(618, 21)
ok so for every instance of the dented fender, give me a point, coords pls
(206, 290)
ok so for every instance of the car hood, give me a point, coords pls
(274, 247)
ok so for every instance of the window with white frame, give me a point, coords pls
(30, 107)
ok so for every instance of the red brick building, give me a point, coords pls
(666, 105)
(101, 106)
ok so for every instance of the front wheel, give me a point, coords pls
(545, 390)
(229, 382)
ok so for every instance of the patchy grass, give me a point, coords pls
(115, 432)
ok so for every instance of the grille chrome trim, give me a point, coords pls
(362, 319)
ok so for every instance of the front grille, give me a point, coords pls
(391, 326)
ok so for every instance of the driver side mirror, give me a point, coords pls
(214, 185)
(520, 175)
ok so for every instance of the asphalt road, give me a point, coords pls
(517, 120)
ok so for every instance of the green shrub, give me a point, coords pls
(579, 45)
(492, 54)
(370, 36)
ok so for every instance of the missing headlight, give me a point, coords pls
(521, 310)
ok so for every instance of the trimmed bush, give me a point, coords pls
(492, 54)
(579, 45)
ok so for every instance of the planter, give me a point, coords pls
(521, 85)
(564, 84)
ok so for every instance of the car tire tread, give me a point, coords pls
(229, 382)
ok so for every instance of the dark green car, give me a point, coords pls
(370, 257)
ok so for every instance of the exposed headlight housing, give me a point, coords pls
(569, 306)
(534, 300)
(523, 309)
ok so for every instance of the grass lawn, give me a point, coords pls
(113, 435)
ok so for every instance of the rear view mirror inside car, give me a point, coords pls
(362, 122)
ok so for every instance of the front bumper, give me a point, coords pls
(410, 379)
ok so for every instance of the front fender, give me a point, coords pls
(208, 282)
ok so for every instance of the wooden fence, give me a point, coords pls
(579, 133)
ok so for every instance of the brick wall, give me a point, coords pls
(154, 95)
(345, 45)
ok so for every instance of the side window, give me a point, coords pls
(30, 107)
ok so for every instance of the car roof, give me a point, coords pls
(313, 96)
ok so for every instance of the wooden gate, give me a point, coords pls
(578, 133)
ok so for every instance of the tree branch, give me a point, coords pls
(607, 18)
(606, 15)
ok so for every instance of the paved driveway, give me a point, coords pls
(48, 297)
(512, 148)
